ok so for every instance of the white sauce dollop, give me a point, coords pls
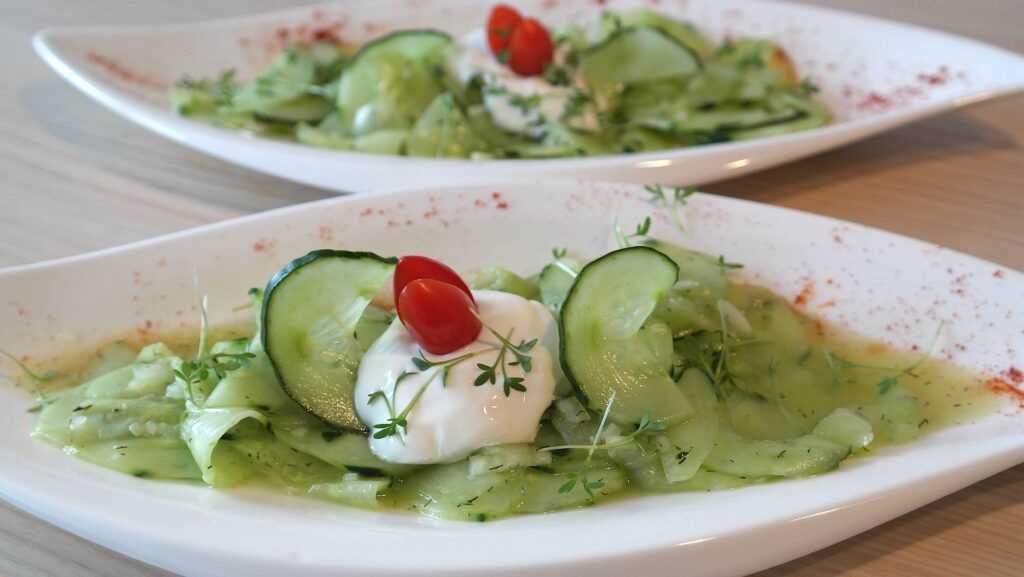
(472, 57)
(448, 423)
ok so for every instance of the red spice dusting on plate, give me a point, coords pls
(998, 274)
(263, 245)
(124, 73)
(479, 203)
(366, 212)
(1014, 375)
(326, 233)
(374, 28)
(940, 77)
(1001, 387)
(806, 294)
(145, 328)
(548, 4)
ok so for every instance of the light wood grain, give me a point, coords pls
(74, 178)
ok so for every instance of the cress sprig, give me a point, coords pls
(488, 374)
(671, 202)
(836, 363)
(42, 401)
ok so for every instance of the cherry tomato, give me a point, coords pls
(530, 49)
(412, 267)
(440, 316)
(500, 24)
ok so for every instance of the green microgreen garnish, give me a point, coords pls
(521, 352)
(571, 479)
(42, 401)
(807, 87)
(557, 75)
(724, 265)
(559, 254)
(575, 105)
(671, 202)
(488, 374)
(837, 363)
(644, 427)
(625, 240)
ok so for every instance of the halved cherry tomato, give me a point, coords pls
(440, 316)
(502, 22)
(530, 49)
(412, 267)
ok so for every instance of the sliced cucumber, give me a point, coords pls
(636, 54)
(554, 282)
(682, 31)
(797, 457)
(304, 108)
(152, 457)
(500, 279)
(391, 81)
(684, 448)
(280, 92)
(602, 351)
(442, 131)
(309, 317)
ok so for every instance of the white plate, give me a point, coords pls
(875, 75)
(875, 282)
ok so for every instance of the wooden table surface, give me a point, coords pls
(75, 177)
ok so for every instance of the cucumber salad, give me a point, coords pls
(383, 382)
(632, 81)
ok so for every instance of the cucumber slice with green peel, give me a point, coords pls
(602, 351)
(391, 81)
(682, 31)
(702, 274)
(309, 317)
(635, 54)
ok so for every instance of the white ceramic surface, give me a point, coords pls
(874, 74)
(877, 283)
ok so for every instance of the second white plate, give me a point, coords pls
(877, 283)
(873, 74)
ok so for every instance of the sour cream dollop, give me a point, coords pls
(516, 103)
(448, 423)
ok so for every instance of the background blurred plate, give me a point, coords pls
(874, 74)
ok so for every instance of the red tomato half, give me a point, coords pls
(502, 22)
(440, 316)
(412, 267)
(530, 49)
